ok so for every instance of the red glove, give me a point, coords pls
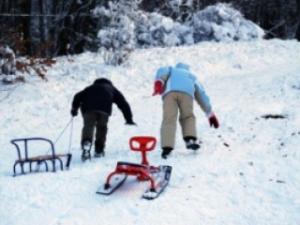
(158, 88)
(213, 121)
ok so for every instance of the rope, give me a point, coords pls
(71, 134)
(63, 131)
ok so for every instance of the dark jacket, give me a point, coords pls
(99, 97)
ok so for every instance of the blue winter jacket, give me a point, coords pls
(179, 78)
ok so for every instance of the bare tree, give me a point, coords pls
(298, 25)
(55, 27)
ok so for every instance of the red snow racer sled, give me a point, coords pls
(157, 176)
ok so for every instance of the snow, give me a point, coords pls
(140, 29)
(246, 172)
(7, 63)
(221, 22)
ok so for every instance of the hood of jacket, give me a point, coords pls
(102, 81)
(184, 66)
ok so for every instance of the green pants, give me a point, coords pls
(172, 103)
(92, 120)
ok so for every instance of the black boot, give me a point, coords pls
(166, 151)
(99, 149)
(191, 143)
(86, 146)
(99, 154)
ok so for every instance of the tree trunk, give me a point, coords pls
(34, 27)
(298, 27)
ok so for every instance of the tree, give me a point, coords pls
(298, 26)
(56, 27)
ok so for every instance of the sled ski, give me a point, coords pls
(158, 177)
(161, 181)
(115, 183)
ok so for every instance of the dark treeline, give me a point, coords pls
(57, 27)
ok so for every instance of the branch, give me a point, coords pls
(281, 23)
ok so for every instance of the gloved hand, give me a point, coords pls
(130, 122)
(158, 88)
(74, 112)
(213, 121)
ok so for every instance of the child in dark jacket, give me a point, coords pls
(95, 103)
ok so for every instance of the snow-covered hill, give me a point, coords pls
(246, 172)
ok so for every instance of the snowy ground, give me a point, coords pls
(246, 172)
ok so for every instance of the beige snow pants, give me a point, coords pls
(173, 102)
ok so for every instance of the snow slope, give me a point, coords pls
(246, 172)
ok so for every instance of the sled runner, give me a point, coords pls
(158, 177)
(21, 145)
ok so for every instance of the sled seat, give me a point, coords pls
(129, 164)
(21, 145)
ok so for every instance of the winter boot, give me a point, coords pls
(166, 152)
(99, 149)
(99, 154)
(85, 155)
(191, 143)
(86, 150)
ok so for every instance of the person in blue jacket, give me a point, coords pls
(179, 87)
